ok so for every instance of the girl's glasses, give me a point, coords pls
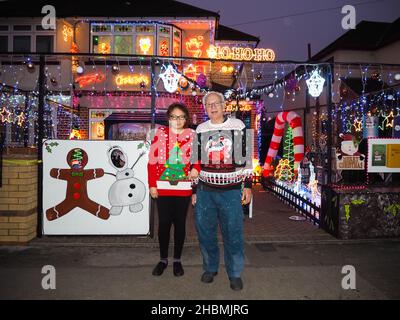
(177, 117)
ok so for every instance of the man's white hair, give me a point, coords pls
(220, 95)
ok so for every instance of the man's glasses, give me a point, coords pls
(216, 104)
(172, 117)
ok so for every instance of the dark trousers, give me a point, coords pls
(172, 210)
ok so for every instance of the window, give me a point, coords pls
(163, 46)
(102, 44)
(145, 45)
(22, 28)
(177, 43)
(3, 43)
(101, 28)
(26, 38)
(131, 38)
(44, 44)
(22, 44)
(123, 44)
(40, 28)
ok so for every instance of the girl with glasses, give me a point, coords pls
(168, 172)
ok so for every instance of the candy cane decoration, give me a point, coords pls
(294, 121)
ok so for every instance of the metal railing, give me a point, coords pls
(301, 204)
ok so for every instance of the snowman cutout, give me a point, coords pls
(127, 190)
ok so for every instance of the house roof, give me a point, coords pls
(92, 8)
(226, 33)
(368, 35)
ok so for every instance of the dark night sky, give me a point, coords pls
(289, 36)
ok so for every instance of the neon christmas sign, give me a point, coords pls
(90, 79)
(240, 53)
(131, 79)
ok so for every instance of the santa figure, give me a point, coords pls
(349, 146)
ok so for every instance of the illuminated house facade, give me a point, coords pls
(112, 69)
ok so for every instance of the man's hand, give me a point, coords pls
(194, 199)
(246, 197)
(154, 192)
(193, 174)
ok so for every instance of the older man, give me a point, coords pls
(226, 163)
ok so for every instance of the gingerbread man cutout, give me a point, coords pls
(76, 195)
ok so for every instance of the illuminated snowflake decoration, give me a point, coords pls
(170, 78)
(315, 84)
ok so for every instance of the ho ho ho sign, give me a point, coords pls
(240, 53)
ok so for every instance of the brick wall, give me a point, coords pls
(65, 122)
(18, 200)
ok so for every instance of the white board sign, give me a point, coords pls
(95, 187)
(383, 155)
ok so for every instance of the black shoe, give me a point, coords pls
(208, 277)
(178, 270)
(159, 268)
(236, 283)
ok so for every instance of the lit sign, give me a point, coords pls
(170, 78)
(192, 71)
(90, 79)
(164, 51)
(238, 53)
(145, 44)
(194, 45)
(131, 79)
(227, 69)
(67, 32)
(75, 60)
(315, 84)
(75, 135)
(233, 107)
(104, 48)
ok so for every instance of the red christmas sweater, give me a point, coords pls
(169, 162)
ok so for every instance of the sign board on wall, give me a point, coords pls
(383, 155)
(348, 157)
(95, 187)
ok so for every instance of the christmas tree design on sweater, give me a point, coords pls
(174, 166)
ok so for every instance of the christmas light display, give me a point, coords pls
(170, 78)
(5, 115)
(294, 121)
(240, 53)
(315, 84)
(132, 79)
(145, 43)
(194, 46)
(288, 151)
(283, 171)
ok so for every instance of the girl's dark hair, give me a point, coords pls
(181, 107)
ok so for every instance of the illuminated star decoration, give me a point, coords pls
(5, 115)
(357, 125)
(315, 84)
(349, 125)
(170, 78)
(388, 121)
(21, 119)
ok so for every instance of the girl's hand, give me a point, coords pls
(193, 174)
(194, 199)
(154, 192)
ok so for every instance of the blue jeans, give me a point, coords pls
(224, 207)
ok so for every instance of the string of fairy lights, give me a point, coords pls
(257, 81)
